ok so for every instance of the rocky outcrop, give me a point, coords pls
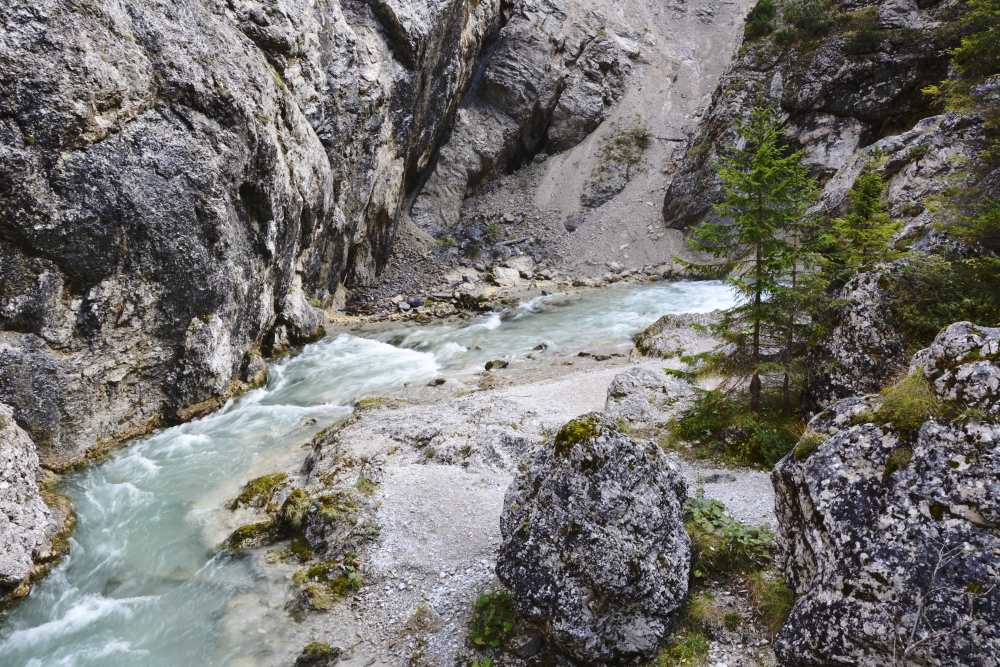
(644, 397)
(676, 334)
(593, 546)
(549, 80)
(840, 96)
(889, 509)
(27, 524)
(184, 183)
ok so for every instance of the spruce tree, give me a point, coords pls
(766, 190)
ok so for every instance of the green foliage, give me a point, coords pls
(325, 583)
(766, 191)
(717, 424)
(721, 545)
(493, 231)
(907, 404)
(772, 598)
(981, 227)
(807, 444)
(811, 18)
(861, 239)
(897, 460)
(759, 21)
(315, 651)
(573, 432)
(932, 291)
(687, 648)
(493, 620)
(251, 536)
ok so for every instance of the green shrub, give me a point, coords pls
(767, 443)
(759, 20)
(721, 545)
(810, 18)
(931, 291)
(710, 413)
(493, 620)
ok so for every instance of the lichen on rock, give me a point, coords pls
(593, 549)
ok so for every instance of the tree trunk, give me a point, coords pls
(755, 351)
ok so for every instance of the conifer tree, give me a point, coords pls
(766, 190)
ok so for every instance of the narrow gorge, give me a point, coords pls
(493, 333)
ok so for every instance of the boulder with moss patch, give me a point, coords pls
(593, 545)
(889, 525)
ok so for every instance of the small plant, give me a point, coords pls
(908, 404)
(898, 459)
(772, 598)
(810, 18)
(721, 545)
(493, 231)
(493, 619)
(324, 583)
(687, 648)
(366, 485)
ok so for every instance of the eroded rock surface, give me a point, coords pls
(593, 546)
(890, 536)
(645, 397)
(184, 183)
(26, 522)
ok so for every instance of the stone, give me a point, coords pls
(26, 522)
(644, 397)
(889, 538)
(676, 333)
(523, 264)
(596, 515)
(505, 277)
(496, 364)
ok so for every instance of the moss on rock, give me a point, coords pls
(251, 536)
(575, 431)
(322, 584)
(258, 492)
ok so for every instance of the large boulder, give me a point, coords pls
(26, 522)
(889, 525)
(593, 546)
(645, 397)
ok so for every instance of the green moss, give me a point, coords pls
(908, 404)
(319, 651)
(807, 445)
(897, 460)
(374, 402)
(366, 485)
(293, 511)
(251, 536)
(575, 431)
(732, 621)
(772, 598)
(338, 506)
(493, 620)
(257, 492)
(325, 583)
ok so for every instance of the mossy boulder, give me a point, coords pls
(258, 492)
(318, 654)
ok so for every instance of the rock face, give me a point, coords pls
(180, 179)
(889, 535)
(838, 98)
(593, 546)
(26, 522)
(646, 397)
(672, 335)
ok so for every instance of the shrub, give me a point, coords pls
(721, 545)
(931, 291)
(772, 598)
(759, 20)
(493, 619)
(809, 17)
(767, 443)
(708, 416)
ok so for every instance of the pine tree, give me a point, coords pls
(766, 190)
(862, 238)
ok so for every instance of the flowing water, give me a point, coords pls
(143, 584)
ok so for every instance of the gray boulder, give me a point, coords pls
(593, 546)
(647, 397)
(26, 522)
(890, 536)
